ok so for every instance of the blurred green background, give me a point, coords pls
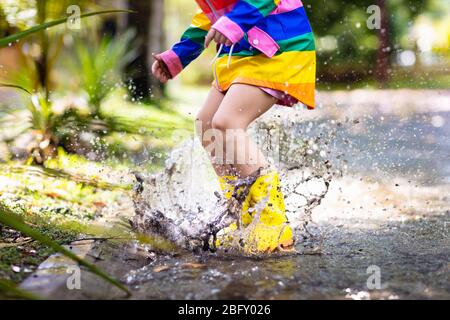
(413, 53)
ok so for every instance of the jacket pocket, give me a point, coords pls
(259, 39)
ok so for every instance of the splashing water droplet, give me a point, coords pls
(179, 203)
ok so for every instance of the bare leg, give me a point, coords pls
(241, 105)
(207, 135)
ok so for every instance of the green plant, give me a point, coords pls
(102, 66)
(44, 122)
(51, 130)
(9, 218)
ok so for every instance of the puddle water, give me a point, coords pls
(371, 184)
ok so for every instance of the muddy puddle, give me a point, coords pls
(367, 187)
(370, 182)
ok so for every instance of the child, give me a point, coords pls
(266, 55)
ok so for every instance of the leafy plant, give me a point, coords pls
(51, 130)
(102, 66)
(43, 120)
(9, 218)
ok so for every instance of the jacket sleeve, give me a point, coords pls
(245, 15)
(189, 47)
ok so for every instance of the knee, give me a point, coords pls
(222, 123)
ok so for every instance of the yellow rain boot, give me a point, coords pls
(264, 216)
(226, 186)
(270, 230)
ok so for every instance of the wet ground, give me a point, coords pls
(387, 216)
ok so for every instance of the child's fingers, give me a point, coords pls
(161, 79)
(158, 73)
(218, 37)
(161, 65)
(155, 66)
(164, 70)
(225, 41)
(209, 37)
(156, 57)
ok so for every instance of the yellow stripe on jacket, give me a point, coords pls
(201, 21)
(297, 66)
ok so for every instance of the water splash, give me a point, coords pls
(184, 200)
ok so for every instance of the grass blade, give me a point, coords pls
(14, 221)
(17, 36)
(10, 290)
(8, 85)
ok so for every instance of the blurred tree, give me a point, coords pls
(156, 43)
(347, 49)
(114, 24)
(148, 22)
(43, 60)
(383, 64)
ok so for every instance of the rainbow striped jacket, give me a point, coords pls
(273, 45)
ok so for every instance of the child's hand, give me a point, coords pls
(160, 70)
(217, 37)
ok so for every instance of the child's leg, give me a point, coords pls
(271, 231)
(205, 131)
(241, 105)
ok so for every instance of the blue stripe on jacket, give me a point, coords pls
(245, 15)
(287, 25)
(187, 50)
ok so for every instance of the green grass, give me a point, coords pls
(64, 199)
(57, 197)
(59, 207)
(29, 255)
(15, 221)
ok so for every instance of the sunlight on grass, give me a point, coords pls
(117, 175)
